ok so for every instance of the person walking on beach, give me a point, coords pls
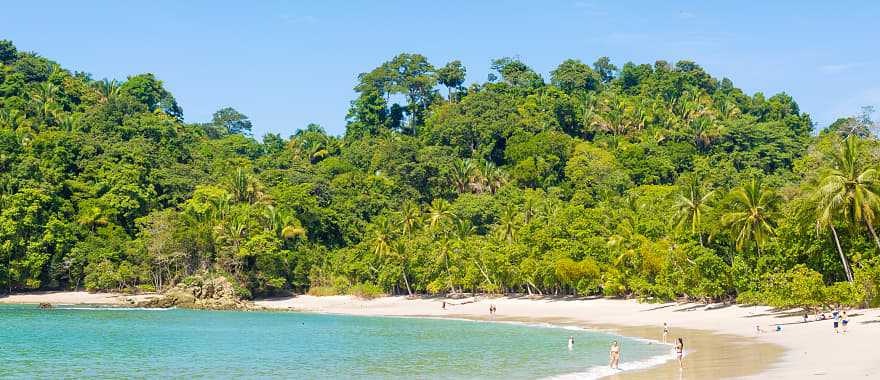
(665, 331)
(614, 363)
(836, 317)
(444, 305)
(570, 343)
(679, 353)
(844, 321)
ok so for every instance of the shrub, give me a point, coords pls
(101, 276)
(322, 291)
(797, 287)
(867, 278)
(844, 293)
(365, 290)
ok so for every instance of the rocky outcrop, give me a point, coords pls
(215, 293)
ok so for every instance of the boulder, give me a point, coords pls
(199, 292)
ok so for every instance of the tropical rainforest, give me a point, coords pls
(652, 181)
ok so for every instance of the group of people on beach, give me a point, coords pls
(839, 318)
(614, 361)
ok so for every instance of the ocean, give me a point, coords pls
(102, 342)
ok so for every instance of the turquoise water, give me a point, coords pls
(79, 342)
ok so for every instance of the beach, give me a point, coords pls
(75, 298)
(720, 340)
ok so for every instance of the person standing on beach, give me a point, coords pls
(679, 352)
(844, 321)
(614, 363)
(836, 317)
(665, 331)
(444, 305)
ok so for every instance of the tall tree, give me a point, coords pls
(452, 76)
(751, 213)
(691, 204)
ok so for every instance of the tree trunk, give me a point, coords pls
(448, 275)
(700, 234)
(849, 276)
(873, 233)
(536, 287)
(406, 282)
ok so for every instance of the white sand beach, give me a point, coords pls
(722, 340)
(74, 298)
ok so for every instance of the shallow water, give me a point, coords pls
(76, 342)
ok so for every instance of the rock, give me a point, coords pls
(215, 293)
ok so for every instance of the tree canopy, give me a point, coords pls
(657, 181)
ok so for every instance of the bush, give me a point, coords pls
(366, 290)
(322, 291)
(101, 276)
(146, 288)
(867, 279)
(614, 284)
(844, 293)
(797, 287)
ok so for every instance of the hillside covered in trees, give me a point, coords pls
(655, 181)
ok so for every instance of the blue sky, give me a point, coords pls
(287, 63)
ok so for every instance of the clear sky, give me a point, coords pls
(287, 63)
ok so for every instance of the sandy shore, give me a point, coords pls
(74, 298)
(721, 340)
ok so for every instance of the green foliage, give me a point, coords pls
(650, 181)
(366, 291)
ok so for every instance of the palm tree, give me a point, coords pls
(410, 217)
(490, 177)
(850, 187)
(382, 237)
(751, 216)
(613, 116)
(462, 175)
(508, 223)
(826, 211)
(548, 211)
(704, 131)
(463, 228)
(245, 187)
(11, 118)
(44, 97)
(690, 206)
(624, 242)
(106, 89)
(398, 250)
(439, 212)
(284, 224)
(91, 217)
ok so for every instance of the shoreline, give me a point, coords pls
(720, 340)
